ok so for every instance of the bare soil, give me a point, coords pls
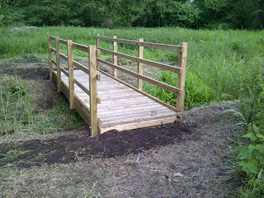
(191, 159)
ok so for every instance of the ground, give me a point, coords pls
(189, 159)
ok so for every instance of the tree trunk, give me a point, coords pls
(91, 16)
(105, 20)
(62, 22)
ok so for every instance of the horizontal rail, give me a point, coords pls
(80, 47)
(63, 56)
(144, 61)
(145, 78)
(82, 87)
(53, 50)
(52, 38)
(63, 41)
(81, 67)
(64, 71)
(176, 48)
(54, 62)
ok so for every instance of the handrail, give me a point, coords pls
(144, 61)
(176, 48)
(91, 71)
(150, 80)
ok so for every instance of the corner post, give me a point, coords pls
(50, 55)
(93, 90)
(98, 52)
(140, 65)
(115, 57)
(57, 41)
(70, 71)
(181, 78)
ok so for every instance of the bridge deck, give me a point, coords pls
(121, 108)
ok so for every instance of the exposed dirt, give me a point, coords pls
(192, 159)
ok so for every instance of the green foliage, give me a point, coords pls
(17, 112)
(251, 156)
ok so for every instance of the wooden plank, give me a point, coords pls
(98, 52)
(63, 41)
(83, 48)
(54, 62)
(145, 78)
(64, 56)
(176, 48)
(65, 72)
(71, 74)
(52, 38)
(139, 66)
(144, 61)
(141, 124)
(137, 90)
(81, 66)
(93, 90)
(50, 56)
(82, 87)
(181, 78)
(114, 58)
(58, 63)
(53, 50)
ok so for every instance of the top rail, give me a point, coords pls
(176, 48)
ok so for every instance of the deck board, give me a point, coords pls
(121, 107)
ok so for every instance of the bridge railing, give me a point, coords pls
(180, 70)
(90, 70)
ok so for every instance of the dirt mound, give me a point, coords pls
(79, 145)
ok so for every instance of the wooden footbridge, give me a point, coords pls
(106, 102)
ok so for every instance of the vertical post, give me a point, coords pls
(98, 52)
(70, 71)
(115, 57)
(93, 90)
(57, 41)
(181, 78)
(50, 55)
(140, 65)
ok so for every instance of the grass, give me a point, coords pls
(17, 112)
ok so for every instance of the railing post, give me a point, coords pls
(93, 90)
(140, 65)
(98, 52)
(115, 57)
(50, 55)
(70, 71)
(57, 41)
(181, 79)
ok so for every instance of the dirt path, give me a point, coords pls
(189, 160)
(173, 161)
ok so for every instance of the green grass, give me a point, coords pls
(17, 112)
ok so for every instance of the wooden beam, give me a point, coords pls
(93, 90)
(50, 55)
(63, 41)
(98, 52)
(181, 78)
(140, 65)
(114, 57)
(81, 67)
(144, 61)
(142, 77)
(83, 48)
(58, 63)
(70, 71)
(176, 48)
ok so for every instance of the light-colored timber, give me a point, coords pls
(106, 102)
